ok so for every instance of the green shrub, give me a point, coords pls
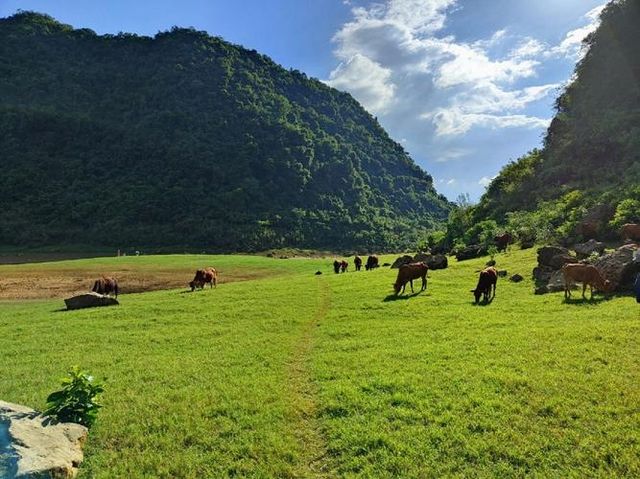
(627, 211)
(76, 401)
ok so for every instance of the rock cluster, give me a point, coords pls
(41, 448)
(619, 267)
(433, 261)
(470, 252)
(584, 250)
(547, 274)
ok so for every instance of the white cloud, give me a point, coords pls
(442, 95)
(485, 181)
(571, 46)
(369, 82)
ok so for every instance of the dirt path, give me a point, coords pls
(303, 393)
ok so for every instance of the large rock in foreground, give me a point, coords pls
(42, 449)
(90, 300)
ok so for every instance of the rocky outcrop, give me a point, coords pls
(619, 267)
(584, 250)
(547, 274)
(516, 278)
(40, 447)
(470, 252)
(595, 220)
(90, 300)
(406, 259)
(433, 261)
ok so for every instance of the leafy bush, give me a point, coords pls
(76, 401)
(627, 211)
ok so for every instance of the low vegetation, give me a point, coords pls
(298, 375)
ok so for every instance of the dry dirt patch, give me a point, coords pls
(62, 283)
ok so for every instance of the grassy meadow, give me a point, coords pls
(289, 374)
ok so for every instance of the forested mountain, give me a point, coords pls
(591, 152)
(185, 140)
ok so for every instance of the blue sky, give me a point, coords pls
(464, 85)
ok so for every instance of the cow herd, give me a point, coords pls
(342, 265)
(586, 274)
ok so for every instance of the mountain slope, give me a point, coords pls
(593, 142)
(186, 140)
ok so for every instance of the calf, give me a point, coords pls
(488, 279)
(343, 266)
(357, 261)
(407, 273)
(204, 276)
(630, 231)
(587, 274)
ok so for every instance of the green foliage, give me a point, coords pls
(592, 143)
(627, 211)
(76, 401)
(184, 140)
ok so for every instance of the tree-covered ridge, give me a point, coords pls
(592, 147)
(186, 140)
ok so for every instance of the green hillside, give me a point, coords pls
(185, 140)
(591, 152)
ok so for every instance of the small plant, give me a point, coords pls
(76, 401)
(492, 251)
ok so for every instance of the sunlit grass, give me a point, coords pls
(224, 382)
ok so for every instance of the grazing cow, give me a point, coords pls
(372, 262)
(587, 274)
(502, 241)
(488, 279)
(407, 273)
(630, 231)
(204, 276)
(106, 286)
(357, 261)
(336, 266)
(343, 266)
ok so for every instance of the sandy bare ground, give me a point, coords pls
(63, 283)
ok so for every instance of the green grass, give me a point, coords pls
(328, 376)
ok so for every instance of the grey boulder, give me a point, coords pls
(90, 300)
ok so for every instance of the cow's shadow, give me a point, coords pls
(580, 301)
(401, 297)
(483, 302)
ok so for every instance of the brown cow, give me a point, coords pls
(357, 261)
(106, 286)
(488, 279)
(204, 276)
(502, 241)
(407, 273)
(587, 274)
(372, 262)
(336, 266)
(630, 231)
(343, 266)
